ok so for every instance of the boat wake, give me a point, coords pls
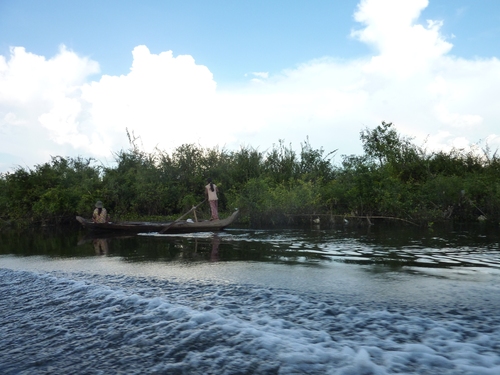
(60, 322)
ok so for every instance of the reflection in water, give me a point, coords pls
(101, 246)
(391, 247)
(214, 255)
(205, 248)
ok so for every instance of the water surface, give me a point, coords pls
(379, 300)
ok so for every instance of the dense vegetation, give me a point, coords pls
(393, 178)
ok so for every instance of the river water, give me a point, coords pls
(377, 300)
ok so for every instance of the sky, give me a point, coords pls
(76, 76)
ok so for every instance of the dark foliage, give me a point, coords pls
(394, 178)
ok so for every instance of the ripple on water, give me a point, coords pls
(91, 323)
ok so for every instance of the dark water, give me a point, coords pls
(378, 300)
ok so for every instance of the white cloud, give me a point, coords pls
(403, 46)
(166, 100)
(52, 106)
(260, 76)
(38, 98)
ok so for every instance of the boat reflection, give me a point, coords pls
(90, 237)
(146, 247)
(100, 241)
(199, 249)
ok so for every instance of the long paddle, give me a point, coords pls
(167, 227)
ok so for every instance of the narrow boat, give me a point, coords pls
(181, 226)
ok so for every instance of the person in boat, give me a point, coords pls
(100, 214)
(211, 191)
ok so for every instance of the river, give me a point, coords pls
(369, 300)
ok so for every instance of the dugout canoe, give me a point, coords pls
(182, 226)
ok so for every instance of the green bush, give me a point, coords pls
(393, 178)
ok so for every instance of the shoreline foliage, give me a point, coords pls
(394, 178)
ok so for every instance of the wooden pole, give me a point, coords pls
(167, 227)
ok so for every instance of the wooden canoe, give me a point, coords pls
(183, 226)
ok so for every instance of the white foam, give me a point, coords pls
(358, 323)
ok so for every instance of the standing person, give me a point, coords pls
(100, 214)
(211, 191)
